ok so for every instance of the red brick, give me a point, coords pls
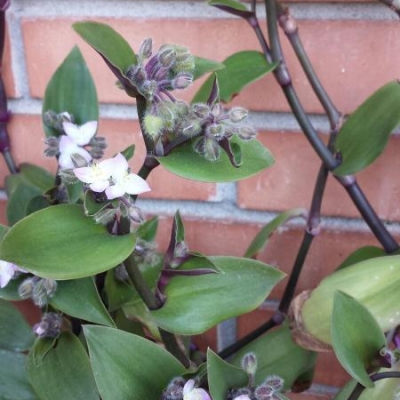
(27, 146)
(31, 312)
(309, 396)
(289, 183)
(3, 215)
(345, 67)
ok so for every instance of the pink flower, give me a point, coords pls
(192, 393)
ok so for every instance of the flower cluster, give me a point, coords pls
(179, 389)
(49, 326)
(72, 140)
(112, 176)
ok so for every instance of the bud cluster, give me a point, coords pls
(270, 389)
(49, 326)
(40, 290)
(169, 69)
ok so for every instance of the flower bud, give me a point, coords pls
(201, 110)
(136, 74)
(53, 146)
(216, 130)
(216, 110)
(104, 216)
(146, 48)
(67, 176)
(247, 133)
(78, 160)
(249, 363)
(50, 119)
(167, 55)
(374, 283)
(149, 89)
(153, 126)
(207, 147)
(136, 215)
(238, 114)
(25, 289)
(49, 327)
(191, 128)
(182, 81)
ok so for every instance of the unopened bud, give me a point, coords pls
(263, 392)
(275, 382)
(146, 48)
(207, 147)
(67, 176)
(153, 126)
(25, 289)
(216, 130)
(49, 327)
(53, 146)
(238, 114)
(50, 119)
(50, 286)
(191, 128)
(249, 363)
(78, 160)
(149, 89)
(167, 55)
(136, 74)
(136, 215)
(201, 110)
(182, 81)
(43, 290)
(247, 132)
(181, 109)
(217, 110)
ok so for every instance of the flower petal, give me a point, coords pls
(134, 184)
(99, 186)
(120, 167)
(114, 191)
(7, 271)
(81, 135)
(85, 174)
(189, 385)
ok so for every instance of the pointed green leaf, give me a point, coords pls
(356, 337)
(366, 132)
(79, 298)
(240, 70)
(204, 66)
(129, 367)
(185, 162)
(71, 89)
(15, 332)
(148, 230)
(277, 354)
(62, 372)
(228, 3)
(115, 50)
(361, 254)
(129, 152)
(261, 239)
(59, 242)
(10, 292)
(14, 382)
(223, 376)
(240, 286)
(37, 176)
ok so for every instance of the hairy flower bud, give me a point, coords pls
(67, 176)
(247, 132)
(146, 48)
(167, 55)
(136, 74)
(207, 147)
(43, 289)
(153, 126)
(201, 110)
(105, 216)
(217, 131)
(49, 327)
(182, 81)
(53, 146)
(238, 114)
(249, 363)
(25, 289)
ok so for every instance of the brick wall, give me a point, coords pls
(355, 49)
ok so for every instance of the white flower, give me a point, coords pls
(67, 148)
(192, 393)
(81, 135)
(97, 175)
(7, 271)
(75, 137)
(123, 181)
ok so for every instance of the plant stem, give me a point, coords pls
(153, 303)
(283, 77)
(356, 393)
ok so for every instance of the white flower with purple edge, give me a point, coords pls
(113, 177)
(190, 392)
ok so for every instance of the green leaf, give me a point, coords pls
(223, 376)
(10, 292)
(240, 70)
(71, 89)
(228, 3)
(366, 132)
(240, 286)
(374, 283)
(361, 254)
(356, 337)
(277, 354)
(15, 332)
(148, 230)
(62, 372)
(14, 382)
(185, 162)
(262, 238)
(79, 298)
(129, 367)
(115, 50)
(59, 242)
(204, 66)
(37, 176)
(129, 152)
